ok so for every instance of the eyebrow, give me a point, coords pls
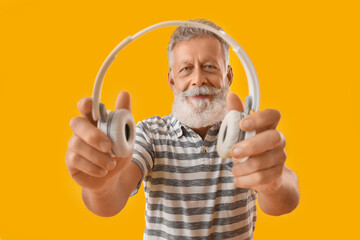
(189, 61)
(186, 61)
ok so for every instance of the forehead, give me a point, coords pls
(203, 48)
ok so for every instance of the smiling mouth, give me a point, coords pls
(199, 97)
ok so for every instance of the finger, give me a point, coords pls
(260, 162)
(79, 163)
(87, 181)
(257, 144)
(123, 101)
(259, 178)
(90, 134)
(265, 119)
(85, 108)
(102, 160)
(68, 162)
(233, 102)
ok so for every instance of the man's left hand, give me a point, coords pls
(263, 170)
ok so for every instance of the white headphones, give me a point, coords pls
(119, 125)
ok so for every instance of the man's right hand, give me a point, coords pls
(88, 159)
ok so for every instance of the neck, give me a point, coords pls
(201, 131)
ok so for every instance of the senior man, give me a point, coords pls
(191, 193)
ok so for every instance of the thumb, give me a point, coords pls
(233, 102)
(123, 101)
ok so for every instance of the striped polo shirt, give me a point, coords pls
(189, 189)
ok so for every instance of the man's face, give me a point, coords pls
(200, 81)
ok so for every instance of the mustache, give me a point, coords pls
(203, 90)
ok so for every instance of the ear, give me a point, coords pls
(229, 75)
(170, 80)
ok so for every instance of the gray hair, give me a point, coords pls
(186, 33)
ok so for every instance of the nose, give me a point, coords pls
(198, 78)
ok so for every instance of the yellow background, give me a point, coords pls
(306, 54)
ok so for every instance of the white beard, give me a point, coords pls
(203, 112)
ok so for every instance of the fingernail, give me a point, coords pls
(236, 152)
(103, 172)
(104, 146)
(241, 160)
(110, 164)
(246, 123)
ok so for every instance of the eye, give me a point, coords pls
(210, 67)
(185, 69)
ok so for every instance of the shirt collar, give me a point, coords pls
(179, 127)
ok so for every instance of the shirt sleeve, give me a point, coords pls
(143, 154)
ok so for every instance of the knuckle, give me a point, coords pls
(283, 155)
(71, 159)
(80, 103)
(238, 182)
(101, 160)
(71, 142)
(235, 170)
(271, 157)
(92, 171)
(95, 171)
(255, 164)
(73, 122)
(67, 158)
(93, 137)
(275, 135)
(259, 178)
(283, 140)
(74, 143)
(75, 160)
(278, 157)
(248, 148)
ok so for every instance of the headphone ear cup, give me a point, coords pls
(120, 127)
(229, 133)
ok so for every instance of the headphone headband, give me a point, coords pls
(254, 91)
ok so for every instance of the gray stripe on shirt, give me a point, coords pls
(200, 225)
(198, 196)
(199, 210)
